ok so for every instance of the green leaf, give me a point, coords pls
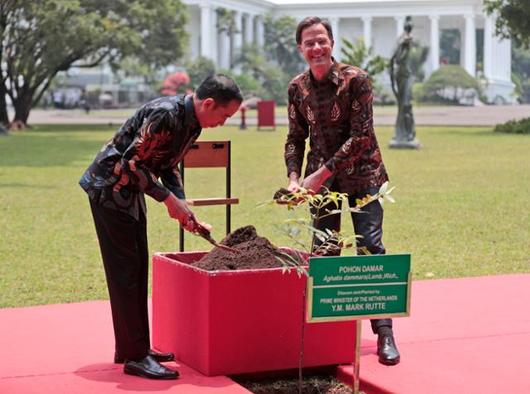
(383, 188)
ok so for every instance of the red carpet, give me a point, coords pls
(469, 335)
(69, 349)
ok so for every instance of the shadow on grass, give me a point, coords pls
(25, 185)
(73, 128)
(38, 149)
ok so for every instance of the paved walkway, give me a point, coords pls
(463, 116)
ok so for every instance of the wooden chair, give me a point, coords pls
(210, 154)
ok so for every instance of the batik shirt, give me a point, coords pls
(148, 147)
(336, 114)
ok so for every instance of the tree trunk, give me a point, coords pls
(4, 118)
(22, 108)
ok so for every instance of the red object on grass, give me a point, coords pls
(266, 114)
(232, 322)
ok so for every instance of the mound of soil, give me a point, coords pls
(254, 252)
(323, 384)
(281, 193)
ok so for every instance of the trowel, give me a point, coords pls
(203, 232)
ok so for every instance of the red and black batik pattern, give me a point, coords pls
(148, 147)
(336, 114)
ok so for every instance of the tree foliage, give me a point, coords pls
(449, 83)
(359, 55)
(39, 39)
(199, 69)
(513, 18)
(272, 80)
(280, 43)
(297, 228)
(175, 83)
(521, 72)
(362, 56)
(521, 126)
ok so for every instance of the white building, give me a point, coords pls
(378, 22)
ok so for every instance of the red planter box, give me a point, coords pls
(232, 322)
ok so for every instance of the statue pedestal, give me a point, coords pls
(399, 144)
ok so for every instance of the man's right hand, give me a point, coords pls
(179, 210)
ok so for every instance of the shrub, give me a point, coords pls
(514, 127)
(450, 83)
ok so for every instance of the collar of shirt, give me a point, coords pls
(190, 120)
(334, 75)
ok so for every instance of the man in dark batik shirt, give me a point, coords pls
(331, 103)
(147, 147)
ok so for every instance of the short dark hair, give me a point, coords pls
(221, 88)
(310, 21)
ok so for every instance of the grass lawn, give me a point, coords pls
(462, 205)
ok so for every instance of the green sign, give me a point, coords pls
(357, 287)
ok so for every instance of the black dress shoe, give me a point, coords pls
(160, 357)
(148, 367)
(387, 350)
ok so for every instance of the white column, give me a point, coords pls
(336, 37)
(224, 50)
(206, 31)
(249, 29)
(214, 37)
(470, 61)
(260, 31)
(238, 35)
(435, 42)
(400, 23)
(488, 46)
(367, 31)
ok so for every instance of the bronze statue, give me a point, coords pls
(402, 80)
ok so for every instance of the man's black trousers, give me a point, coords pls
(368, 225)
(123, 244)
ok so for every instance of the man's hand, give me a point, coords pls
(179, 210)
(124, 178)
(314, 182)
(294, 182)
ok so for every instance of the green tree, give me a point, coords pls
(250, 86)
(280, 43)
(521, 71)
(362, 56)
(272, 79)
(39, 39)
(199, 69)
(513, 18)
